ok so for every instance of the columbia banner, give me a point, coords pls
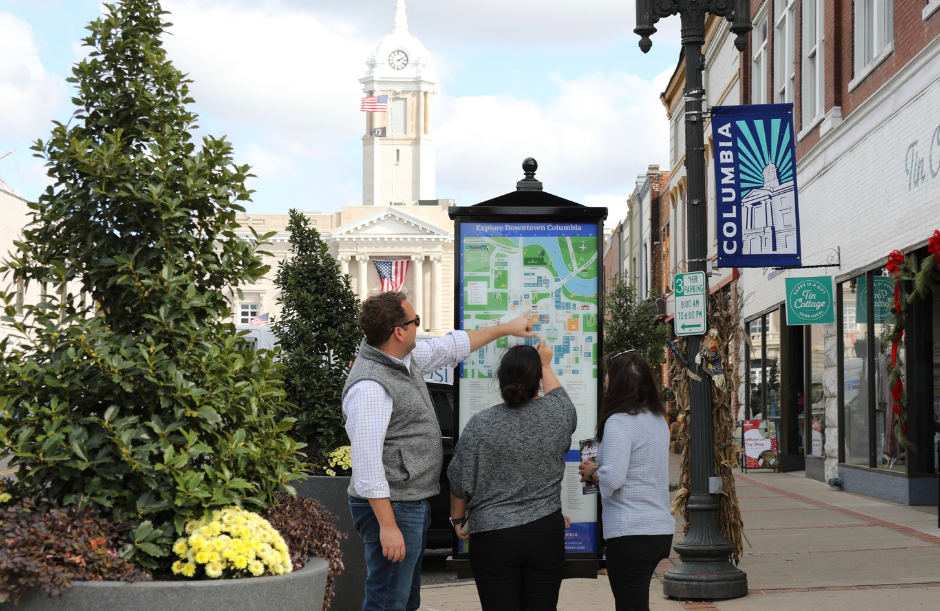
(755, 179)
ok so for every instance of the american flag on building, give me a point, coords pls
(392, 273)
(263, 319)
(375, 104)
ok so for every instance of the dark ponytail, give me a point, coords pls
(520, 371)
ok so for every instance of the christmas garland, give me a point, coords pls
(921, 276)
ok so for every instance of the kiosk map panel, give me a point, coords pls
(507, 268)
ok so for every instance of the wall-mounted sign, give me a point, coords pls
(755, 181)
(810, 301)
(690, 303)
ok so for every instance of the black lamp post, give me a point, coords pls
(706, 571)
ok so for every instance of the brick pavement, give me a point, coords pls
(809, 546)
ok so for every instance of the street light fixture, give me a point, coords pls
(705, 571)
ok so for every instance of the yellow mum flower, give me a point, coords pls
(234, 540)
(177, 567)
(330, 472)
(180, 548)
(214, 570)
(5, 497)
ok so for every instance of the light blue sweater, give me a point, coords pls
(634, 476)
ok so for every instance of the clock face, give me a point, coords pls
(397, 59)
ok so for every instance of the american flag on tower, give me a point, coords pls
(264, 319)
(392, 273)
(375, 104)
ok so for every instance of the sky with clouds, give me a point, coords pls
(557, 80)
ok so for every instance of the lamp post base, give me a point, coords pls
(700, 579)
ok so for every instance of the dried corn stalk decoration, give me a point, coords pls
(724, 335)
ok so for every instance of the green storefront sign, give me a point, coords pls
(810, 301)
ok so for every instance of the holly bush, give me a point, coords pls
(124, 388)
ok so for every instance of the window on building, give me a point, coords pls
(399, 118)
(676, 132)
(397, 155)
(784, 45)
(759, 64)
(855, 371)
(772, 365)
(874, 30)
(813, 61)
(817, 396)
(247, 311)
(763, 366)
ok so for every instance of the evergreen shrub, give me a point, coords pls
(318, 333)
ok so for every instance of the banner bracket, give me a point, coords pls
(830, 262)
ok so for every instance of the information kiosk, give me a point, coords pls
(530, 250)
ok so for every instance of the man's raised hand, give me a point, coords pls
(521, 326)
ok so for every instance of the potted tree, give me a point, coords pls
(127, 402)
(318, 335)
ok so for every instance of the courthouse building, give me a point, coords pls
(400, 217)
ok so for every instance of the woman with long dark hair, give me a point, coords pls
(632, 471)
(507, 470)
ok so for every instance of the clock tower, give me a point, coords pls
(399, 169)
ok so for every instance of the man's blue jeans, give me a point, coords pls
(393, 586)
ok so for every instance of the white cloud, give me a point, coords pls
(271, 66)
(29, 95)
(444, 24)
(592, 139)
(616, 204)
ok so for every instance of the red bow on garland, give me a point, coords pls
(933, 245)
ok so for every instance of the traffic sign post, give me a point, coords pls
(690, 304)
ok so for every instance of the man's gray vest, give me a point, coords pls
(412, 454)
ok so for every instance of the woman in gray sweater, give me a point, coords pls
(507, 471)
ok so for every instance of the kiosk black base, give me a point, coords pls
(575, 568)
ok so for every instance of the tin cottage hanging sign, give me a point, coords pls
(755, 179)
(810, 301)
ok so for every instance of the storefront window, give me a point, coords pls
(817, 400)
(772, 365)
(754, 368)
(889, 453)
(855, 371)
(936, 378)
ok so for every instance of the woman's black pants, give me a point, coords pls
(631, 561)
(520, 568)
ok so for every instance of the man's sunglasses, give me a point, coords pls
(416, 320)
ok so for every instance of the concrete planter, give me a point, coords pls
(349, 590)
(301, 590)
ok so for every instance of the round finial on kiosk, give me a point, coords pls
(529, 183)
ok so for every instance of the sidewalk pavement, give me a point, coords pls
(811, 546)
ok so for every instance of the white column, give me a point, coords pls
(418, 284)
(343, 264)
(363, 283)
(436, 290)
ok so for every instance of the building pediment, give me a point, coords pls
(390, 224)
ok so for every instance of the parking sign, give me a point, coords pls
(690, 304)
